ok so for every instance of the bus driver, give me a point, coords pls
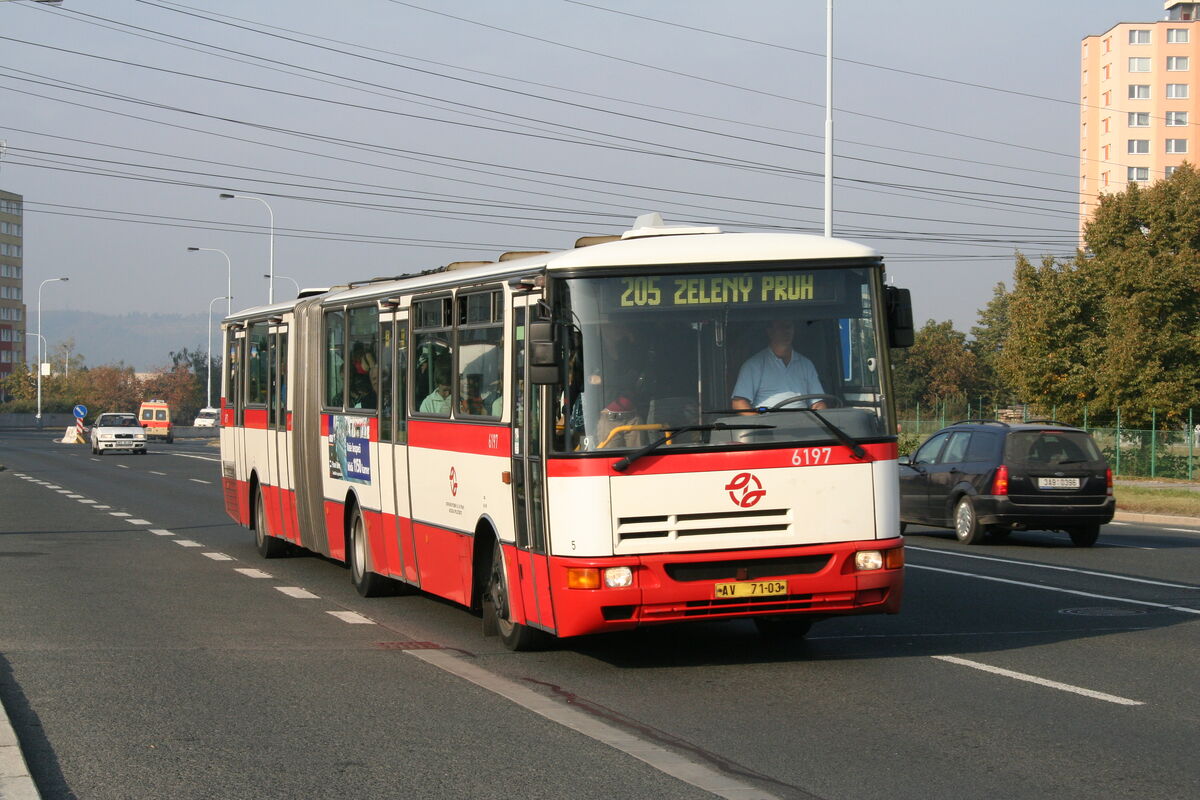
(776, 373)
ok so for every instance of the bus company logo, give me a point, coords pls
(453, 482)
(745, 490)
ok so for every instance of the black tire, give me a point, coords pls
(998, 532)
(966, 524)
(268, 546)
(170, 439)
(1084, 535)
(778, 629)
(366, 582)
(516, 637)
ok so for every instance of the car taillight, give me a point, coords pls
(1000, 482)
(1108, 482)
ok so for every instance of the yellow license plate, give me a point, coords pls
(749, 589)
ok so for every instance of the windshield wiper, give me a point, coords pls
(839, 434)
(623, 464)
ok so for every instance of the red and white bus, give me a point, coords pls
(553, 439)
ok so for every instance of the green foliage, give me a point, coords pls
(940, 366)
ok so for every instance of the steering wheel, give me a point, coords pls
(830, 400)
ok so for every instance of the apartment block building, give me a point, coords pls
(1139, 101)
(12, 283)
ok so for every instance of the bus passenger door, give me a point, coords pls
(393, 451)
(529, 479)
(278, 437)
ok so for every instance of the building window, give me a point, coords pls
(1139, 146)
(1177, 91)
(1139, 91)
(1177, 118)
(1169, 171)
(1177, 35)
(1139, 119)
(1177, 63)
(1140, 64)
(1139, 36)
(1105, 152)
(1107, 71)
(1139, 174)
(1107, 98)
(1176, 145)
(1108, 45)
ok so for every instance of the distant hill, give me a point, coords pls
(141, 341)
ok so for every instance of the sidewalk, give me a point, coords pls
(15, 781)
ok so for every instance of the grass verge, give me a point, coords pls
(1157, 500)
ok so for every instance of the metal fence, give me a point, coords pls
(1132, 452)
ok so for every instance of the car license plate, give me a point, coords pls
(749, 589)
(1058, 483)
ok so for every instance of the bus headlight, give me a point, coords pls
(618, 577)
(868, 560)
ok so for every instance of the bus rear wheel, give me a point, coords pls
(366, 583)
(267, 545)
(497, 609)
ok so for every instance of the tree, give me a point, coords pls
(179, 387)
(938, 368)
(111, 388)
(198, 363)
(989, 337)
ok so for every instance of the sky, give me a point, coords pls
(387, 136)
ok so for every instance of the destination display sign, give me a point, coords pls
(766, 288)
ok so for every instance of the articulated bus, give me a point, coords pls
(554, 439)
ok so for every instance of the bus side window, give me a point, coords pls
(384, 360)
(432, 387)
(363, 372)
(335, 376)
(480, 337)
(256, 365)
(401, 398)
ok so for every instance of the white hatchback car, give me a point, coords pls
(207, 418)
(116, 431)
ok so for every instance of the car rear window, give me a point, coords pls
(1052, 448)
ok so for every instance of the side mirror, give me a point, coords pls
(899, 317)
(904, 460)
(542, 351)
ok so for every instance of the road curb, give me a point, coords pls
(15, 781)
(1160, 519)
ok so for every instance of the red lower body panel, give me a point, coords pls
(681, 586)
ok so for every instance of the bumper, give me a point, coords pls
(1006, 511)
(821, 582)
(132, 446)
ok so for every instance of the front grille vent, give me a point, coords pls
(681, 526)
(747, 569)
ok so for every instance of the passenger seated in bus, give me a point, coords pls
(470, 401)
(438, 401)
(362, 391)
(776, 373)
(362, 362)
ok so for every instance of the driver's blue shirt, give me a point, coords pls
(765, 380)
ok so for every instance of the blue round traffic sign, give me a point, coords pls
(80, 411)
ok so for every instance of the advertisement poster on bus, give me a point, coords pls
(349, 448)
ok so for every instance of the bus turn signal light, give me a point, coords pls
(583, 578)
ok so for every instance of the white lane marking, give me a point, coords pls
(52, 486)
(1182, 530)
(100, 508)
(88, 502)
(119, 514)
(189, 455)
(74, 496)
(1021, 676)
(139, 522)
(297, 592)
(94, 459)
(217, 556)
(692, 772)
(253, 573)
(161, 532)
(197, 480)
(123, 466)
(1053, 567)
(63, 491)
(1181, 609)
(186, 543)
(1123, 524)
(351, 617)
(156, 472)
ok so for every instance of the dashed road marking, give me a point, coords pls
(253, 573)
(139, 522)
(161, 532)
(297, 592)
(197, 480)
(187, 543)
(217, 556)
(156, 472)
(351, 617)
(101, 508)
(1021, 676)
(119, 514)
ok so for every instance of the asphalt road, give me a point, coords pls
(156, 655)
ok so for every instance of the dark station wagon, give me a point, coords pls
(985, 477)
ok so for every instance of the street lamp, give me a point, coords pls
(208, 402)
(286, 278)
(271, 218)
(40, 340)
(228, 276)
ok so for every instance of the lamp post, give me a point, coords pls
(40, 340)
(208, 384)
(286, 278)
(271, 245)
(228, 276)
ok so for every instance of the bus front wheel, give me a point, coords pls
(267, 545)
(497, 613)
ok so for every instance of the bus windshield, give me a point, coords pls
(738, 354)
